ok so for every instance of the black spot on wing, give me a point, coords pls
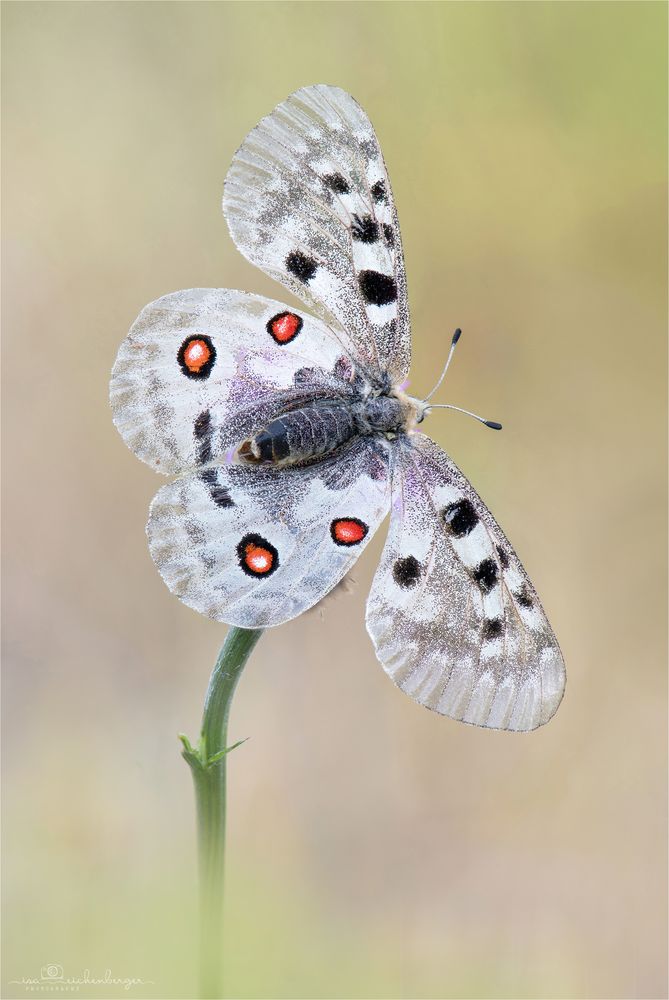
(300, 266)
(524, 597)
(460, 517)
(379, 192)
(219, 494)
(486, 575)
(503, 557)
(406, 571)
(377, 289)
(209, 477)
(221, 497)
(389, 234)
(337, 183)
(492, 628)
(202, 431)
(202, 425)
(365, 229)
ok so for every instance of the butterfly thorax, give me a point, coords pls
(323, 426)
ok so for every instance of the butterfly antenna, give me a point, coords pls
(492, 424)
(456, 337)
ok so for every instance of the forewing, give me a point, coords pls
(203, 367)
(454, 618)
(308, 200)
(257, 546)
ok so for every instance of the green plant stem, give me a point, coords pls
(207, 762)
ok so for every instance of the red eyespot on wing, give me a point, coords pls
(257, 556)
(196, 356)
(257, 559)
(284, 327)
(348, 530)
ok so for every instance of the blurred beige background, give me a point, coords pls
(375, 849)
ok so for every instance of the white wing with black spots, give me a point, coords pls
(289, 434)
(256, 546)
(454, 618)
(308, 200)
(202, 368)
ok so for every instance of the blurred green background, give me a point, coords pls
(375, 849)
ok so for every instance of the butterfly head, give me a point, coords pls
(411, 411)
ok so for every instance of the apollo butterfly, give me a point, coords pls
(291, 435)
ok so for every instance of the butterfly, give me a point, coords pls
(290, 435)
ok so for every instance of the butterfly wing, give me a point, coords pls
(202, 368)
(308, 200)
(454, 618)
(256, 546)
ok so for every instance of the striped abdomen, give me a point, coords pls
(301, 434)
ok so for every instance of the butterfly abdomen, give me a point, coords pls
(300, 435)
(322, 427)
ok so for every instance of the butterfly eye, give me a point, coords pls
(196, 356)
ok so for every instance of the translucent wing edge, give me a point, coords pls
(501, 706)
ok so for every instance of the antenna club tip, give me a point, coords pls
(456, 336)
(493, 425)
